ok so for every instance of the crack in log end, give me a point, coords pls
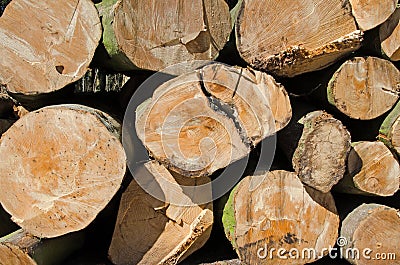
(287, 62)
(225, 109)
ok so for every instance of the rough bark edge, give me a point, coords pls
(284, 62)
(309, 122)
(228, 218)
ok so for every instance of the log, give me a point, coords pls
(318, 145)
(371, 227)
(21, 247)
(370, 14)
(389, 132)
(60, 167)
(389, 35)
(372, 169)
(10, 111)
(155, 34)
(153, 231)
(275, 211)
(295, 37)
(204, 120)
(364, 88)
(46, 45)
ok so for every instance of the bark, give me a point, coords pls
(318, 145)
(265, 211)
(204, 120)
(153, 231)
(371, 170)
(295, 37)
(389, 35)
(155, 34)
(60, 167)
(46, 45)
(372, 13)
(389, 132)
(21, 247)
(364, 88)
(372, 226)
(98, 80)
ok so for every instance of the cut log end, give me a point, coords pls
(169, 232)
(370, 15)
(389, 132)
(197, 31)
(321, 154)
(58, 50)
(375, 227)
(61, 166)
(252, 222)
(372, 170)
(389, 35)
(205, 120)
(364, 88)
(295, 37)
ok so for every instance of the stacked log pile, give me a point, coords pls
(199, 132)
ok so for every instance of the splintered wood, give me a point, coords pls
(153, 231)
